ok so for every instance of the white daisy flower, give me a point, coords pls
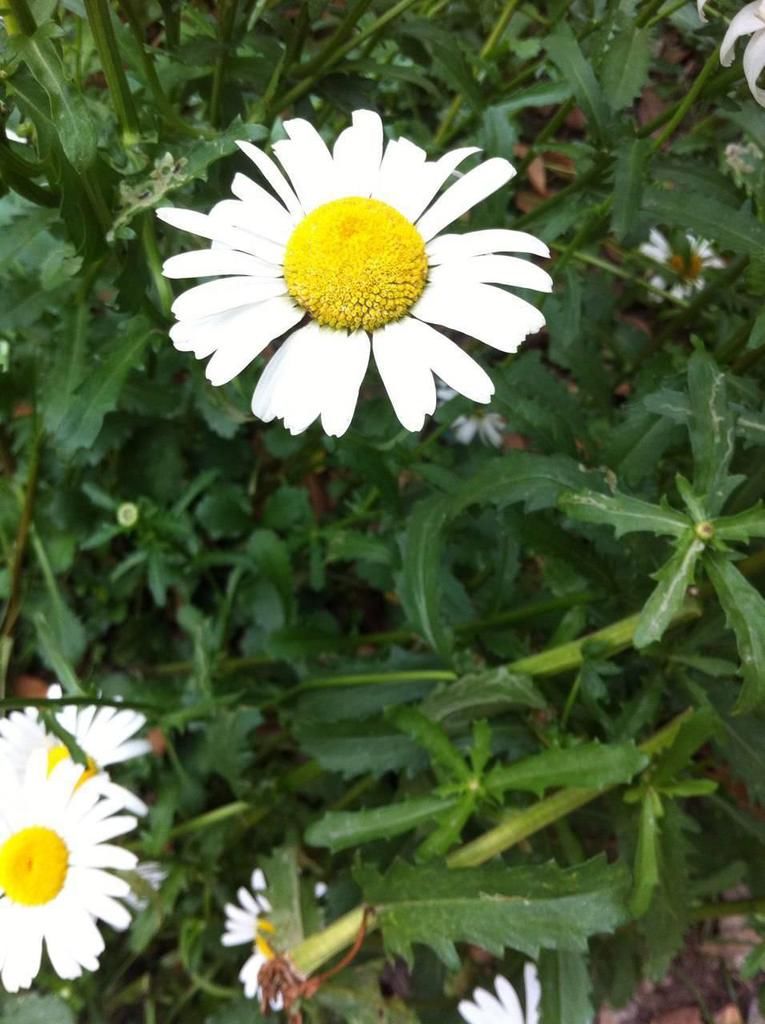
(505, 1007)
(13, 137)
(147, 876)
(245, 923)
(106, 735)
(689, 266)
(349, 255)
(750, 20)
(55, 863)
(488, 426)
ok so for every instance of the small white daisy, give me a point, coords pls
(689, 265)
(245, 923)
(505, 1007)
(489, 427)
(106, 735)
(348, 256)
(55, 862)
(148, 876)
(750, 20)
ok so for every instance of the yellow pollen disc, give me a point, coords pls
(59, 753)
(355, 263)
(690, 269)
(33, 866)
(261, 944)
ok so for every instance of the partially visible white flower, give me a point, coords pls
(55, 864)
(320, 890)
(350, 256)
(505, 1007)
(104, 734)
(245, 923)
(689, 266)
(742, 158)
(13, 137)
(488, 426)
(149, 875)
(700, 5)
(750, 20)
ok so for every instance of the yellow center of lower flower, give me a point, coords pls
(690, 268)
(33, 866)
(59, 753)
(262, 945)
(355, 263)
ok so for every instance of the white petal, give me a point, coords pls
(405, 374)
(273, 220)
(493, 316)
(509, 1000)
(263, 405)
(291, 385)
(476, 243)
(226, 293)
(754, 62)
(422, 190)
(241, 217)
(260, 325)
(258, 880)
(351, 361)
(747, 20)
(449, 362)
(308, 162)
(273, 176)
(700, 4)
(215, 228)
(494, 270)
(212, 262)
(533, 992)
(357, 154)
(401, 172)
(464, 194)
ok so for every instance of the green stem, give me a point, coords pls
(317, 949)
(688, 100)
(336, 40)
(727, 908)
(227, 18)
(100, 21)
(210, 818)
(154, 260)
(19, 19)
(492, 39)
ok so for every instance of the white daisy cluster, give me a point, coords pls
(687, 265)
(488, 427)
(246, 923)
(750, 21)
(505, 1007)
(347, 253)
(57, 820)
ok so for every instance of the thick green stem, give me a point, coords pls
(100, 21)
(18, 18)
(728, 908)
(314, 951)
(227, 19)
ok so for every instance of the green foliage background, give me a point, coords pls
(512, 699)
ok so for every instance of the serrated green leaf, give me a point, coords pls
(743, 526)
(340, 829)
(481, 693)
(712, 431)
(566, 989)
(674, 577)
(527, 908)
(356, 996)
(625, 68)
(565, 52)
(98, 394)
(624, 514)
(629, 177)
(283, 890)
(420, 589)
(31, 1008)
(588, 765)
(444, 756)
(744, 609)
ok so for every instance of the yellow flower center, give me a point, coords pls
(33, 866)
(59, 753)
(689, 269)
(355, 263)
(262, 945)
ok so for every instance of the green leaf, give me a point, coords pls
(674, 577)
(629, 177)
(356, 996)
(283, 891)
(743, 526)
(731, 228)
(449, 830)
(587, 765)
(482, 693)
(566, 990)
(712, 431)
(420, 588)
(444, 756)
(744, 609)
(273, 561)
(624, 514)
(340, 829)
(625, 68)
(496, 907)
(566, 54)
(101, 389)
(646, 874)
(31, 1008)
